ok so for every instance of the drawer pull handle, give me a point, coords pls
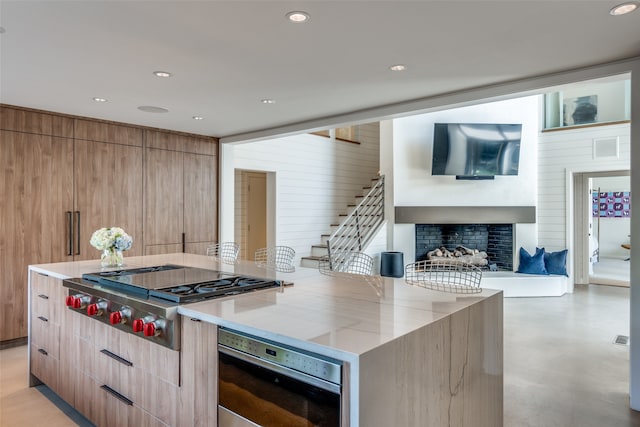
(43, 351)
(116, 394)
(44, 319)
(43, 296)
(116, 357)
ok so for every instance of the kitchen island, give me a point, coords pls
(411, 356)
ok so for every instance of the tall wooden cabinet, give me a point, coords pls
(36, 184)
(108, 184)
(62, 178)
(180, 213)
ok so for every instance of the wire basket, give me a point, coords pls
(226, 252)
(347, 262)
(279, 258)
(445, 276)
(353, 267)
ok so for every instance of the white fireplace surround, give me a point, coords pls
(522, 217)
(525, 235)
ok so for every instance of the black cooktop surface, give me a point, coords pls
(178, 283)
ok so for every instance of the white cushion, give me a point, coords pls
(525, 285)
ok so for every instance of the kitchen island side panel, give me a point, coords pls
(448, 373)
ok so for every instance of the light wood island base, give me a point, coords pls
(448, 373)
(412, 357)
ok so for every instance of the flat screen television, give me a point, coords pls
(476, 150)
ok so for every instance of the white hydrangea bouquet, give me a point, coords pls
(111, 241)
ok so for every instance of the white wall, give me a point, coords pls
(561, 152)
(413, 184)
(315, 179)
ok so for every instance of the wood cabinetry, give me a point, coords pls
(108, 193)
(119, 378)
(181, 208)
(199, 391)
(61, 178)
(36, 187)
(116, 378)
(47, 298)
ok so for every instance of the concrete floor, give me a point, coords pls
(561, 367)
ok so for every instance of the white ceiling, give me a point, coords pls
(226, 56)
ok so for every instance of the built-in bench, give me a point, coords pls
(525, 285)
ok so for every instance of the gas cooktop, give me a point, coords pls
(178, 284)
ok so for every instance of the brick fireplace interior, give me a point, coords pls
(495, 239)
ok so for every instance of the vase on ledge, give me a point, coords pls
(112, 258)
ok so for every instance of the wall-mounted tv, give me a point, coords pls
(476, 150)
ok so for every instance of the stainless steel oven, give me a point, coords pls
(263, 383)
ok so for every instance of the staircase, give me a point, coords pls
(356, 228)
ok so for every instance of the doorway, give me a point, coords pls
(253, 211)
(602, 227)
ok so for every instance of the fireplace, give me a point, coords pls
(495, 239)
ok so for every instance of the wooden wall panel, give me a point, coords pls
(108, 132)
(35, 195)
(51, 164)
(163, 198)
(163, 249)
(200, 200)
(180, 142)
(35, 122)
(198, 248)
(108, 192)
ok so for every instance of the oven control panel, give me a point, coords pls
(309, 363)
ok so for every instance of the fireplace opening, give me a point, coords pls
(496, 240)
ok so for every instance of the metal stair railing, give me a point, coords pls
(358, 228)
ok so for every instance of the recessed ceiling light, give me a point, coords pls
(162, 74)
(297, 16)
(268, 101)
(99, 99)
(623, 9)
(152, 109)
(198, 118)
(398, 67)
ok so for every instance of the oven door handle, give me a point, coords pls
(297, 375)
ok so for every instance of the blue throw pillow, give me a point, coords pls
(556, 262)
(532, 264)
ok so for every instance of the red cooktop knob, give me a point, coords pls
(92, 309)
(149, 329)
(138, 325)
(77, 303)
(115, 318)
(70, 301)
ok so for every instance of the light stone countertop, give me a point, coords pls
(339, 316)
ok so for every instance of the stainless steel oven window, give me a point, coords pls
(270, 398)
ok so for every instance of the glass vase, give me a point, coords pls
(112, 258)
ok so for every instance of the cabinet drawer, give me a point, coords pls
(47, 296)
(107, 406)
(46, 335)
(153, 394)
(148, 356)
(44, 366)
(158, 397)
(116, 372)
